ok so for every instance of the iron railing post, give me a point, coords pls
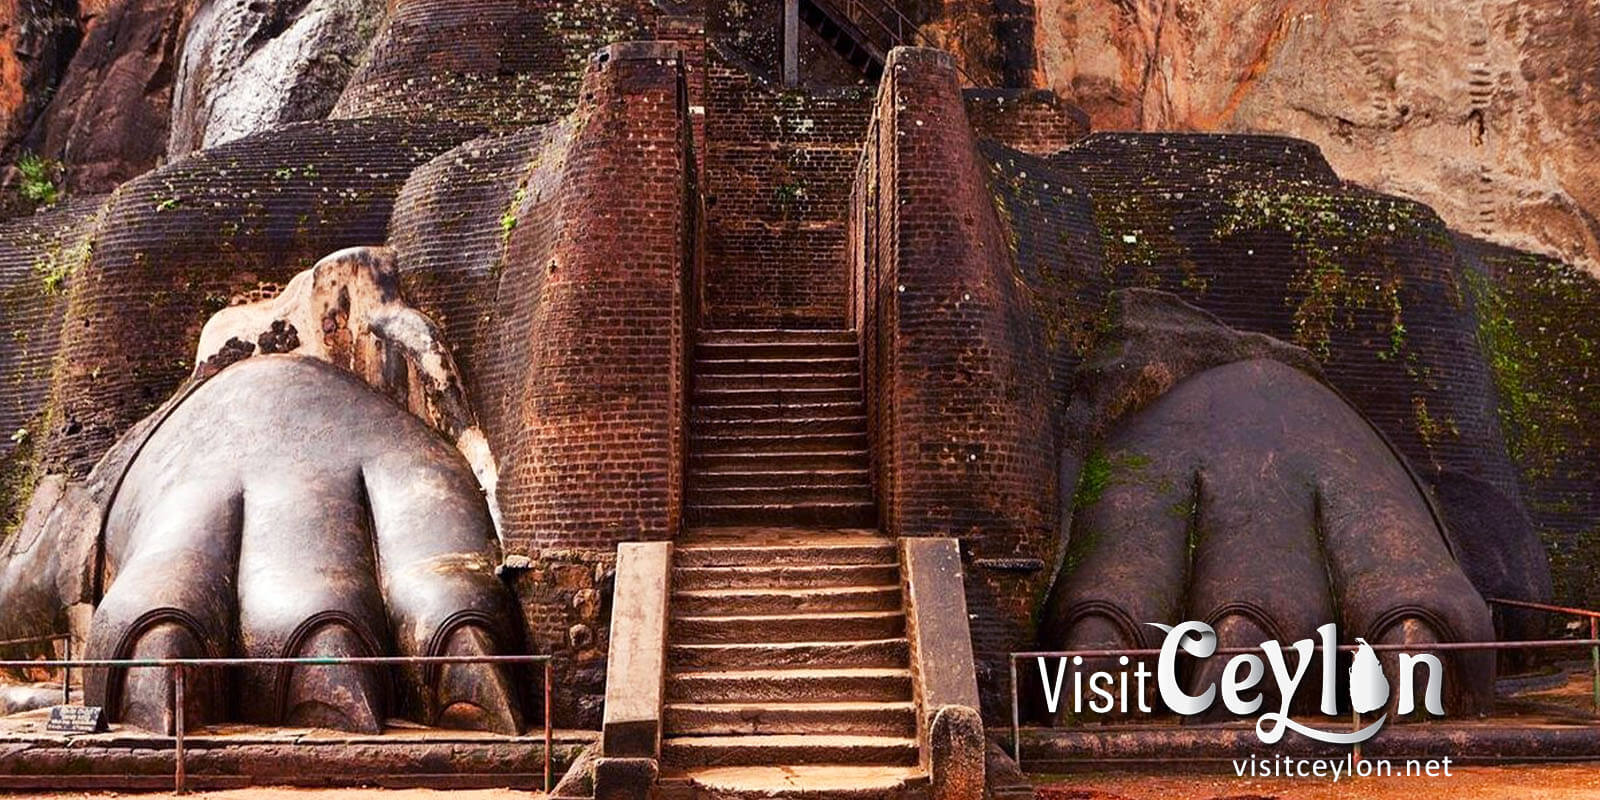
(1594, 654)
(179, 778)
(1016, 716)
(547, 736)
(66, 677)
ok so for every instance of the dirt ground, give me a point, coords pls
(1522, 782)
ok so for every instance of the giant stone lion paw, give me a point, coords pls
(285, 509)
(1248, 495)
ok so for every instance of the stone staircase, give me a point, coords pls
(788, 671)
(778, 433)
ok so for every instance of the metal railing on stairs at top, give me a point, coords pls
(898, 29)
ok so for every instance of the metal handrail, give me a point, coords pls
(897, 35)
(1016, 714)
(66, 672)
(175, 670)
(1594, 630)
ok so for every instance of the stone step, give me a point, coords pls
(778, 411)
(856, 550)
(777, 479)
(795, 782)
(786, 495)
(879, 653)
(749, 602)
(731, 719)
(809, 442)
(785, 575)
(703, 751)
(788, 365)
(824, 515)
(780, 461)
(836, 626)
(706, 398)
(780, 426)
(813, 684)
(786, 348)
(780, 381)
(752, 335)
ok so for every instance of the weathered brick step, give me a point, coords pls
(706, 398)
(702, 496)
(732, 719)
(699, 751)
(834, 626)
(858, 550)
(881, 653)
(785, 575)
(778, 443)
(783, 426)
(779, 411)
(857, 684)
(781, 461)
(795, 782)
(823, 365)
(777, 479)
(821, 515)
(777, 380)
(789, 348)
(720, 335)
(742, 602)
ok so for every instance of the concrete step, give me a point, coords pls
(786, 495)
(808, 364)
(751, 335)
(856, 684)
(731, 719)
(835, 515)
(856, 550)
(879, 653)
(779, 381)
(785, 575)
(809, 442)
(786, 601)
(808, 347)
(780, 426)
(765, 750)
(779, 461)
(774, 411)
(835, 626)
(711, 397)
(795, 782)
(777, 479)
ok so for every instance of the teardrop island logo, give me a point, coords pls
(1241, 685)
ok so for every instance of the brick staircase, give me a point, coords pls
(778, 435)
(787, 668)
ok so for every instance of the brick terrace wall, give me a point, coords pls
(1540, 327)
(557, 260)
(175, 245)
(1259, 231)
(959, 370)
(501, 63)
(1035, 121)
(33, 252)
(779, 165)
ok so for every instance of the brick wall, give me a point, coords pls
(501, 63)
(34, 251)
(959, 371)
(778, 168)
(173, 246)
(1034, 121)
(557, 260)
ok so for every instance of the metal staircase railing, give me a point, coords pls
(884, 25)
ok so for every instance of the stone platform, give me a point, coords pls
(226, 757)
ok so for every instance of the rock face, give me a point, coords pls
(37, 37)
(1486, 110)
(247, 66)
(108, 117)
